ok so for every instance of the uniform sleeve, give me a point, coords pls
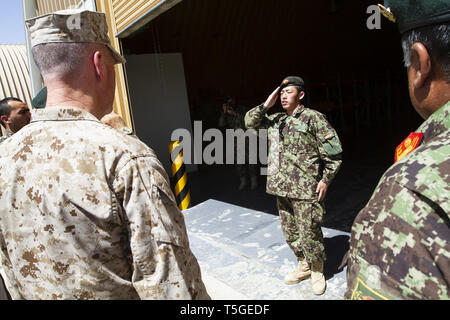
(163, 265)
(330, 149)
(7, 273)
(399, 247)
(256, 118)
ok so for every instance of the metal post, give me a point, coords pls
(30, 11)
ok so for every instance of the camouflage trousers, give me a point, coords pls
(301, 222)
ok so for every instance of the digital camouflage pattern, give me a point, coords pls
(306, 151)
(400, 241)
(86, 212)
(6, 135)
(75, 26)
(296, 159)
(301, 223)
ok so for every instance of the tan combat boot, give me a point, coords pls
(318, 282)
(298, 274)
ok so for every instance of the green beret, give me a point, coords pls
(413, 14)
(40, 99)
(292, 81)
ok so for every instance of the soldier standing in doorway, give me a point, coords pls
(305, 155)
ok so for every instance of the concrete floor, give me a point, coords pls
(243, 255)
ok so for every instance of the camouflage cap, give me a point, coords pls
(412, 14)
(70, 26)
(292, 81)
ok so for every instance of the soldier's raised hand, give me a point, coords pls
(272, 99)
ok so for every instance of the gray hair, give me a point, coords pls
(64, 59)
(436, 39)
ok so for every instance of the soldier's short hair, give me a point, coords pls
(62, 58)
(435, 38)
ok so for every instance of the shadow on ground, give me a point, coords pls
(335, 249)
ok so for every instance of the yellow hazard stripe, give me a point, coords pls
(177, 164)
(185, 203)
(180, 184)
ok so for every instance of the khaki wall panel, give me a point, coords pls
(47, 6)
(128, 12)
(121, 102)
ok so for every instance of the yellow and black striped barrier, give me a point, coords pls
(179, 176)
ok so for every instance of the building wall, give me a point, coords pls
(47, 6)
(121, 100)
(14, 73)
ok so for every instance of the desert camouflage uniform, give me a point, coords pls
(86, 212)
(306, 151)
(400, 242)
(6, 135)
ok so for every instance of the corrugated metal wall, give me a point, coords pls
(47, 6)
(127, 12)
(121, 101)
(14, 73)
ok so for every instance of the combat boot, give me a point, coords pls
(298, 274)
(243, 184)
(318, 282)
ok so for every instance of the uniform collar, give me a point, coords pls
(437, 123)
(8, 133)
(298, 111)
(64, 113)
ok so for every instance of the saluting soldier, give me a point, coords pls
(304, 156)
(400, 241)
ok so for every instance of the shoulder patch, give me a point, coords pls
(363, 292)
(408, 145)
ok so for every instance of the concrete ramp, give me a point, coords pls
(243, 255)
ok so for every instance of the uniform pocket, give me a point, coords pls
(331, 145)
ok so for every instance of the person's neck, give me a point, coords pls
(291, 111)
(59, 95)
(433, 97)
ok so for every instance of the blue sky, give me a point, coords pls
(11, 24)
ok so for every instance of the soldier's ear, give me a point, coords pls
(99, 65)
(420, 65)
(301, 95)
(4, 119)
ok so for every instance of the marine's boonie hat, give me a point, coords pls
(292, 81)
(71, 26)
(412, 14)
